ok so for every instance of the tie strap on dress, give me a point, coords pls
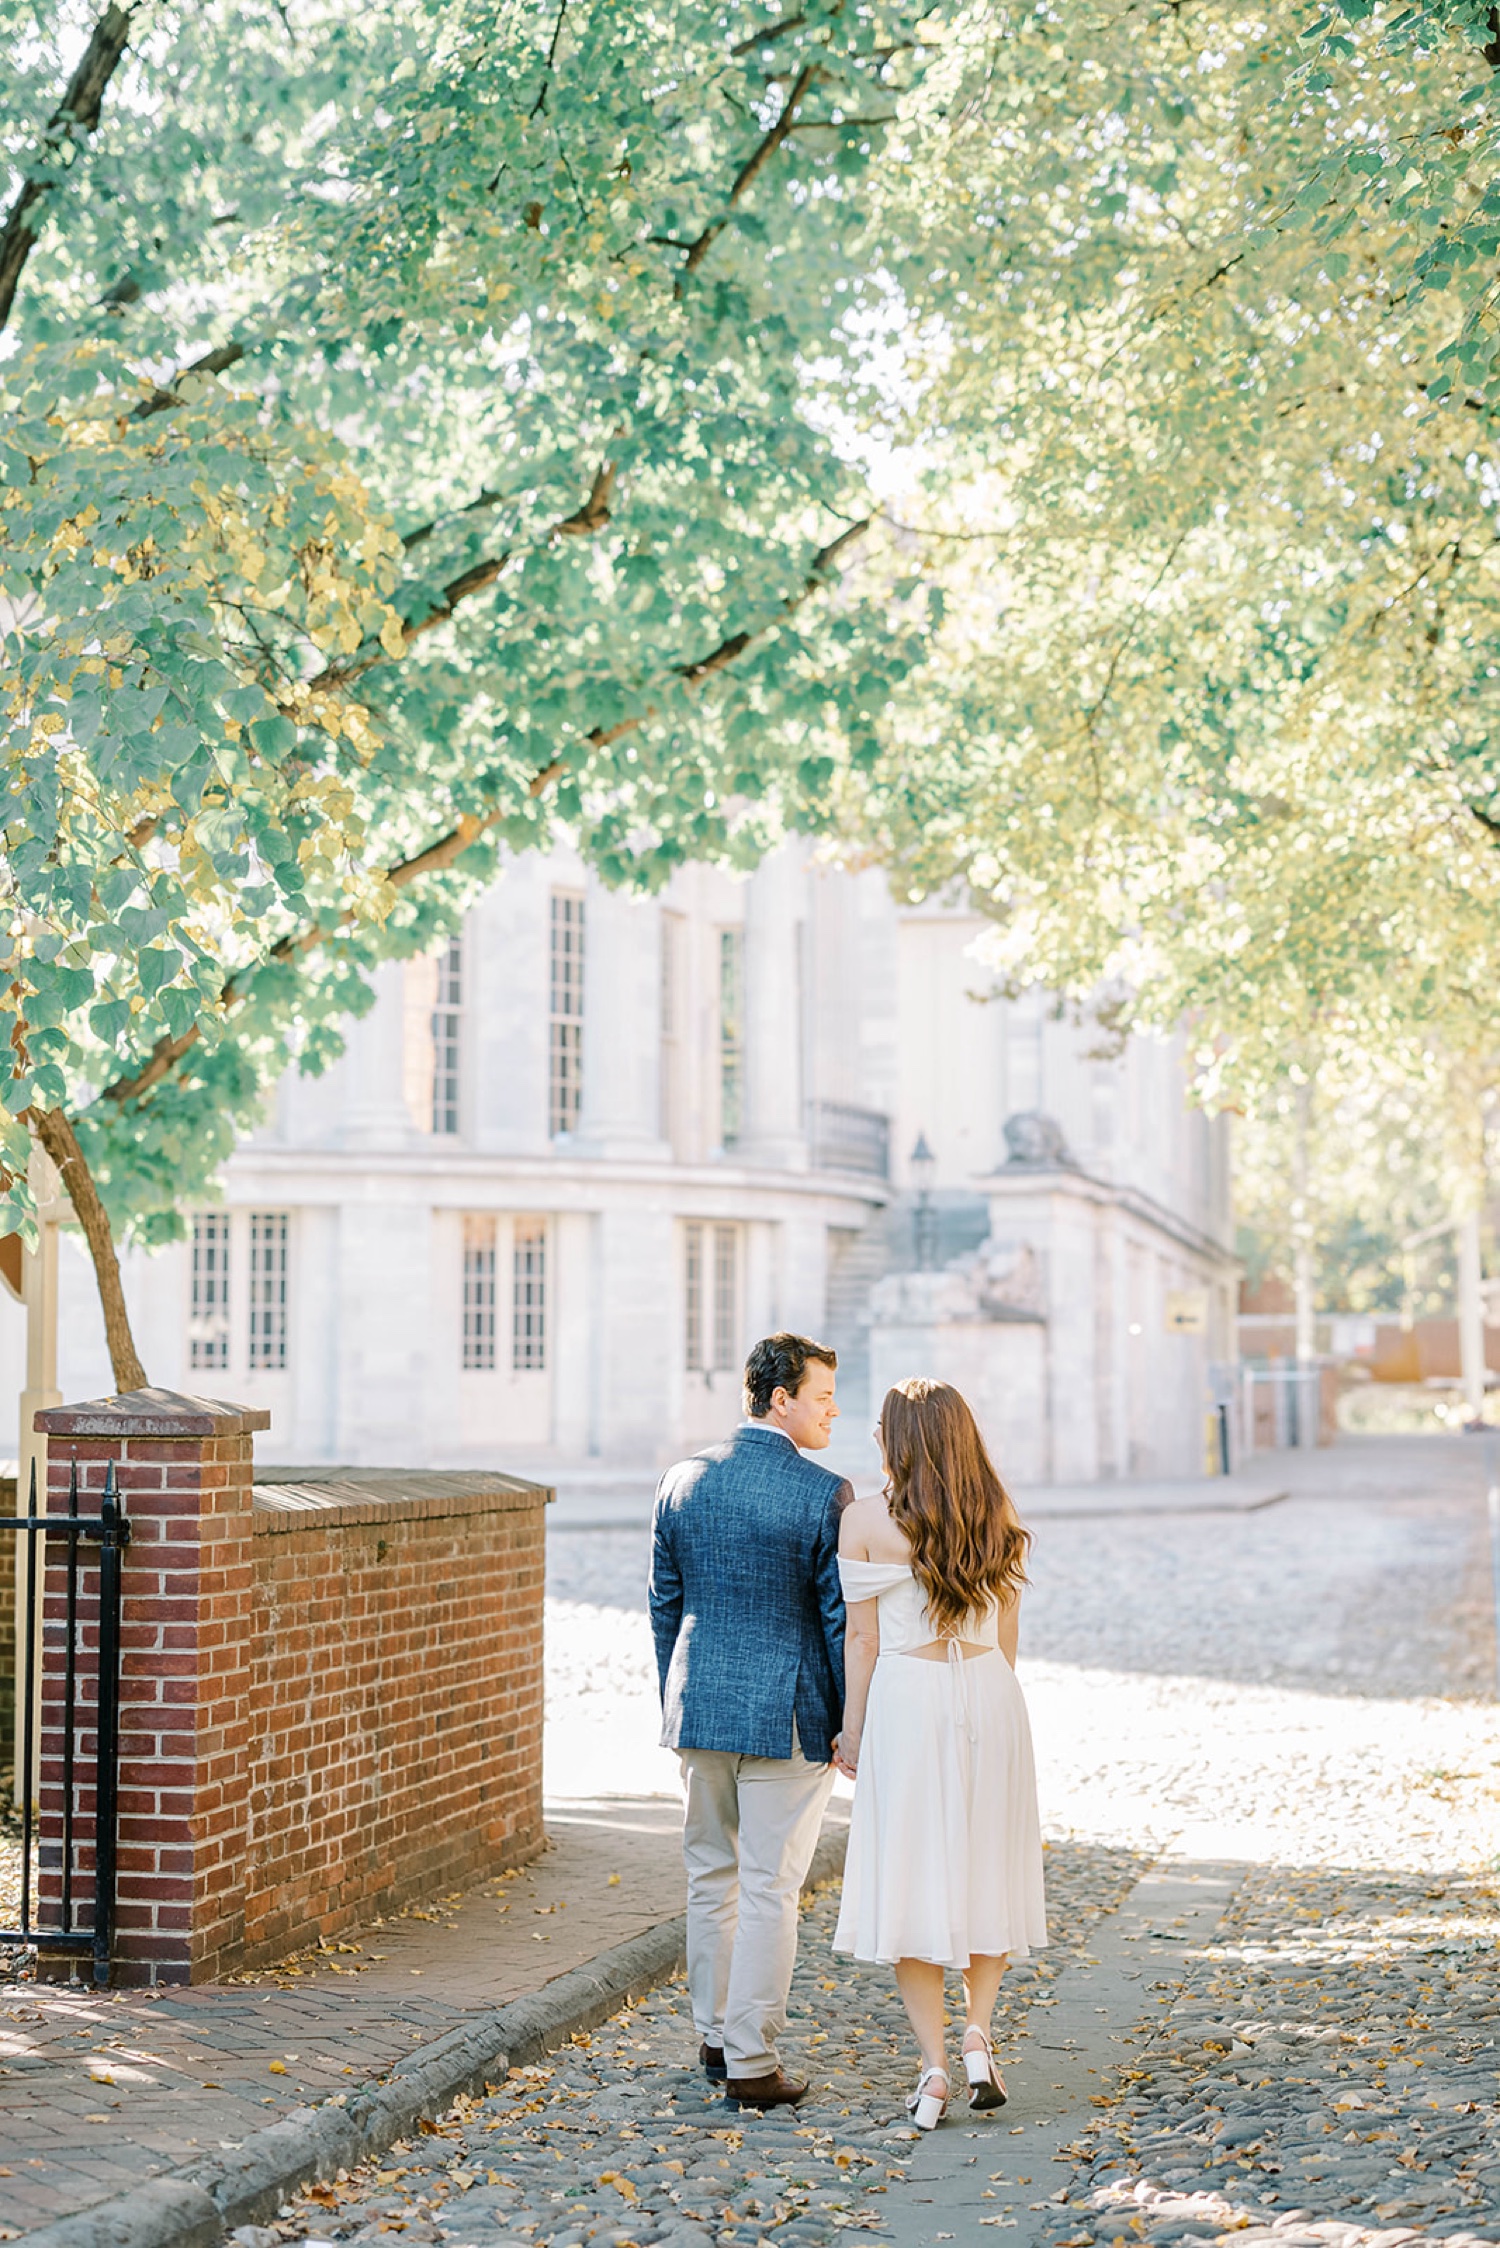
(958, 1671)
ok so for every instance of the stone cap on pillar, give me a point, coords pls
(152, 1412)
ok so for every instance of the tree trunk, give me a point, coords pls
(1470, 1312)
(1304, 1281)
(57, 1136)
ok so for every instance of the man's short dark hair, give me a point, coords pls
(780, 1362)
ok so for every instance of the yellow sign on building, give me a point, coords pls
(1187, 1311)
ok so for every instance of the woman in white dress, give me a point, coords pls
(944, 1866)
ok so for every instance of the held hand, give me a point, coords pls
(846, 1754)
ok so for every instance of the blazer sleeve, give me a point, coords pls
(830, 1591)
(664, 1589)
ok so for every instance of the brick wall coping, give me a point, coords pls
(342, 1498)
(151, 1413)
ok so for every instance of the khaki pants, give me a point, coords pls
(749, 1831)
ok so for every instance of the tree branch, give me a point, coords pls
(169, 1051)
(215, 362)
(771, 31)
(1091, 715)
(754, 163)
(424, 531)
(596, 509)
(78, 112)
(584, 521)
(840, 124)
(541, 100)
(731, 649)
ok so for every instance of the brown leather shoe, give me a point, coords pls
(711, 2060)
(775, 2090)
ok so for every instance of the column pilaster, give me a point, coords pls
(621, 1107)
(775, 1129)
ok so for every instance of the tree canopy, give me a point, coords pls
(412, 440)
(1206, 465)
(430, 428)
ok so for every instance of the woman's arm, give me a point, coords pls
(1009, 1625)
(861, 1646)
(861, 1639)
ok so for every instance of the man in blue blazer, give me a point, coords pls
(749, 1626)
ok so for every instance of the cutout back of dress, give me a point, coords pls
(906, 1628)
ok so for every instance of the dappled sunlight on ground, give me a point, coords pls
(1309, 1682)
(1331, 2064)
(1211, 1769)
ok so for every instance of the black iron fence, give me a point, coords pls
(68, 1722)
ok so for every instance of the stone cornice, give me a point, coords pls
(569, 1178)
(1013, 1181)
(155, 1413)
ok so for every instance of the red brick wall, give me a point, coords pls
(184, 1684)
(1427, 1351)
(395, 1705)
(323, 1712)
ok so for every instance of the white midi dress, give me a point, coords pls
(945, 1847)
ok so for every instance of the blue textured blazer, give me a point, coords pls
(745, 1602)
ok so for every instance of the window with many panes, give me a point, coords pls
(479, 1295)
(447, 1019)
(237, 1312)
(565, 1014)
(726, 1311)
(528, 1328)
(731, 1035)
(208, 1318)
(711, 1297)
(268, 1261)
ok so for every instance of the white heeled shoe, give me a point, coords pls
(986, 2084)
(925, 2106)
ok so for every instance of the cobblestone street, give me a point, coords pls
(1304, 1690)
(1278, 1718)
(1331, 2060)
(1292, 1681)
(620, 2138)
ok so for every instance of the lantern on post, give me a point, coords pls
(923, 1165)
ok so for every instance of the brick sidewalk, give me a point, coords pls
(102, 2090)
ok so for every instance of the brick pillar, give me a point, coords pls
(183, 1468)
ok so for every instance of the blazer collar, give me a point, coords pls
(764, 1433)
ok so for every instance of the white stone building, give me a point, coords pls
(567, 1171)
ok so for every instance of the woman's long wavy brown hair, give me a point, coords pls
(968, 1545)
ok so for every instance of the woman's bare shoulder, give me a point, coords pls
(867, 1533)
(855, 1525)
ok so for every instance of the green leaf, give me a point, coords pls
(156, 966)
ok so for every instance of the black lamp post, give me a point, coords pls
(923, 1163)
